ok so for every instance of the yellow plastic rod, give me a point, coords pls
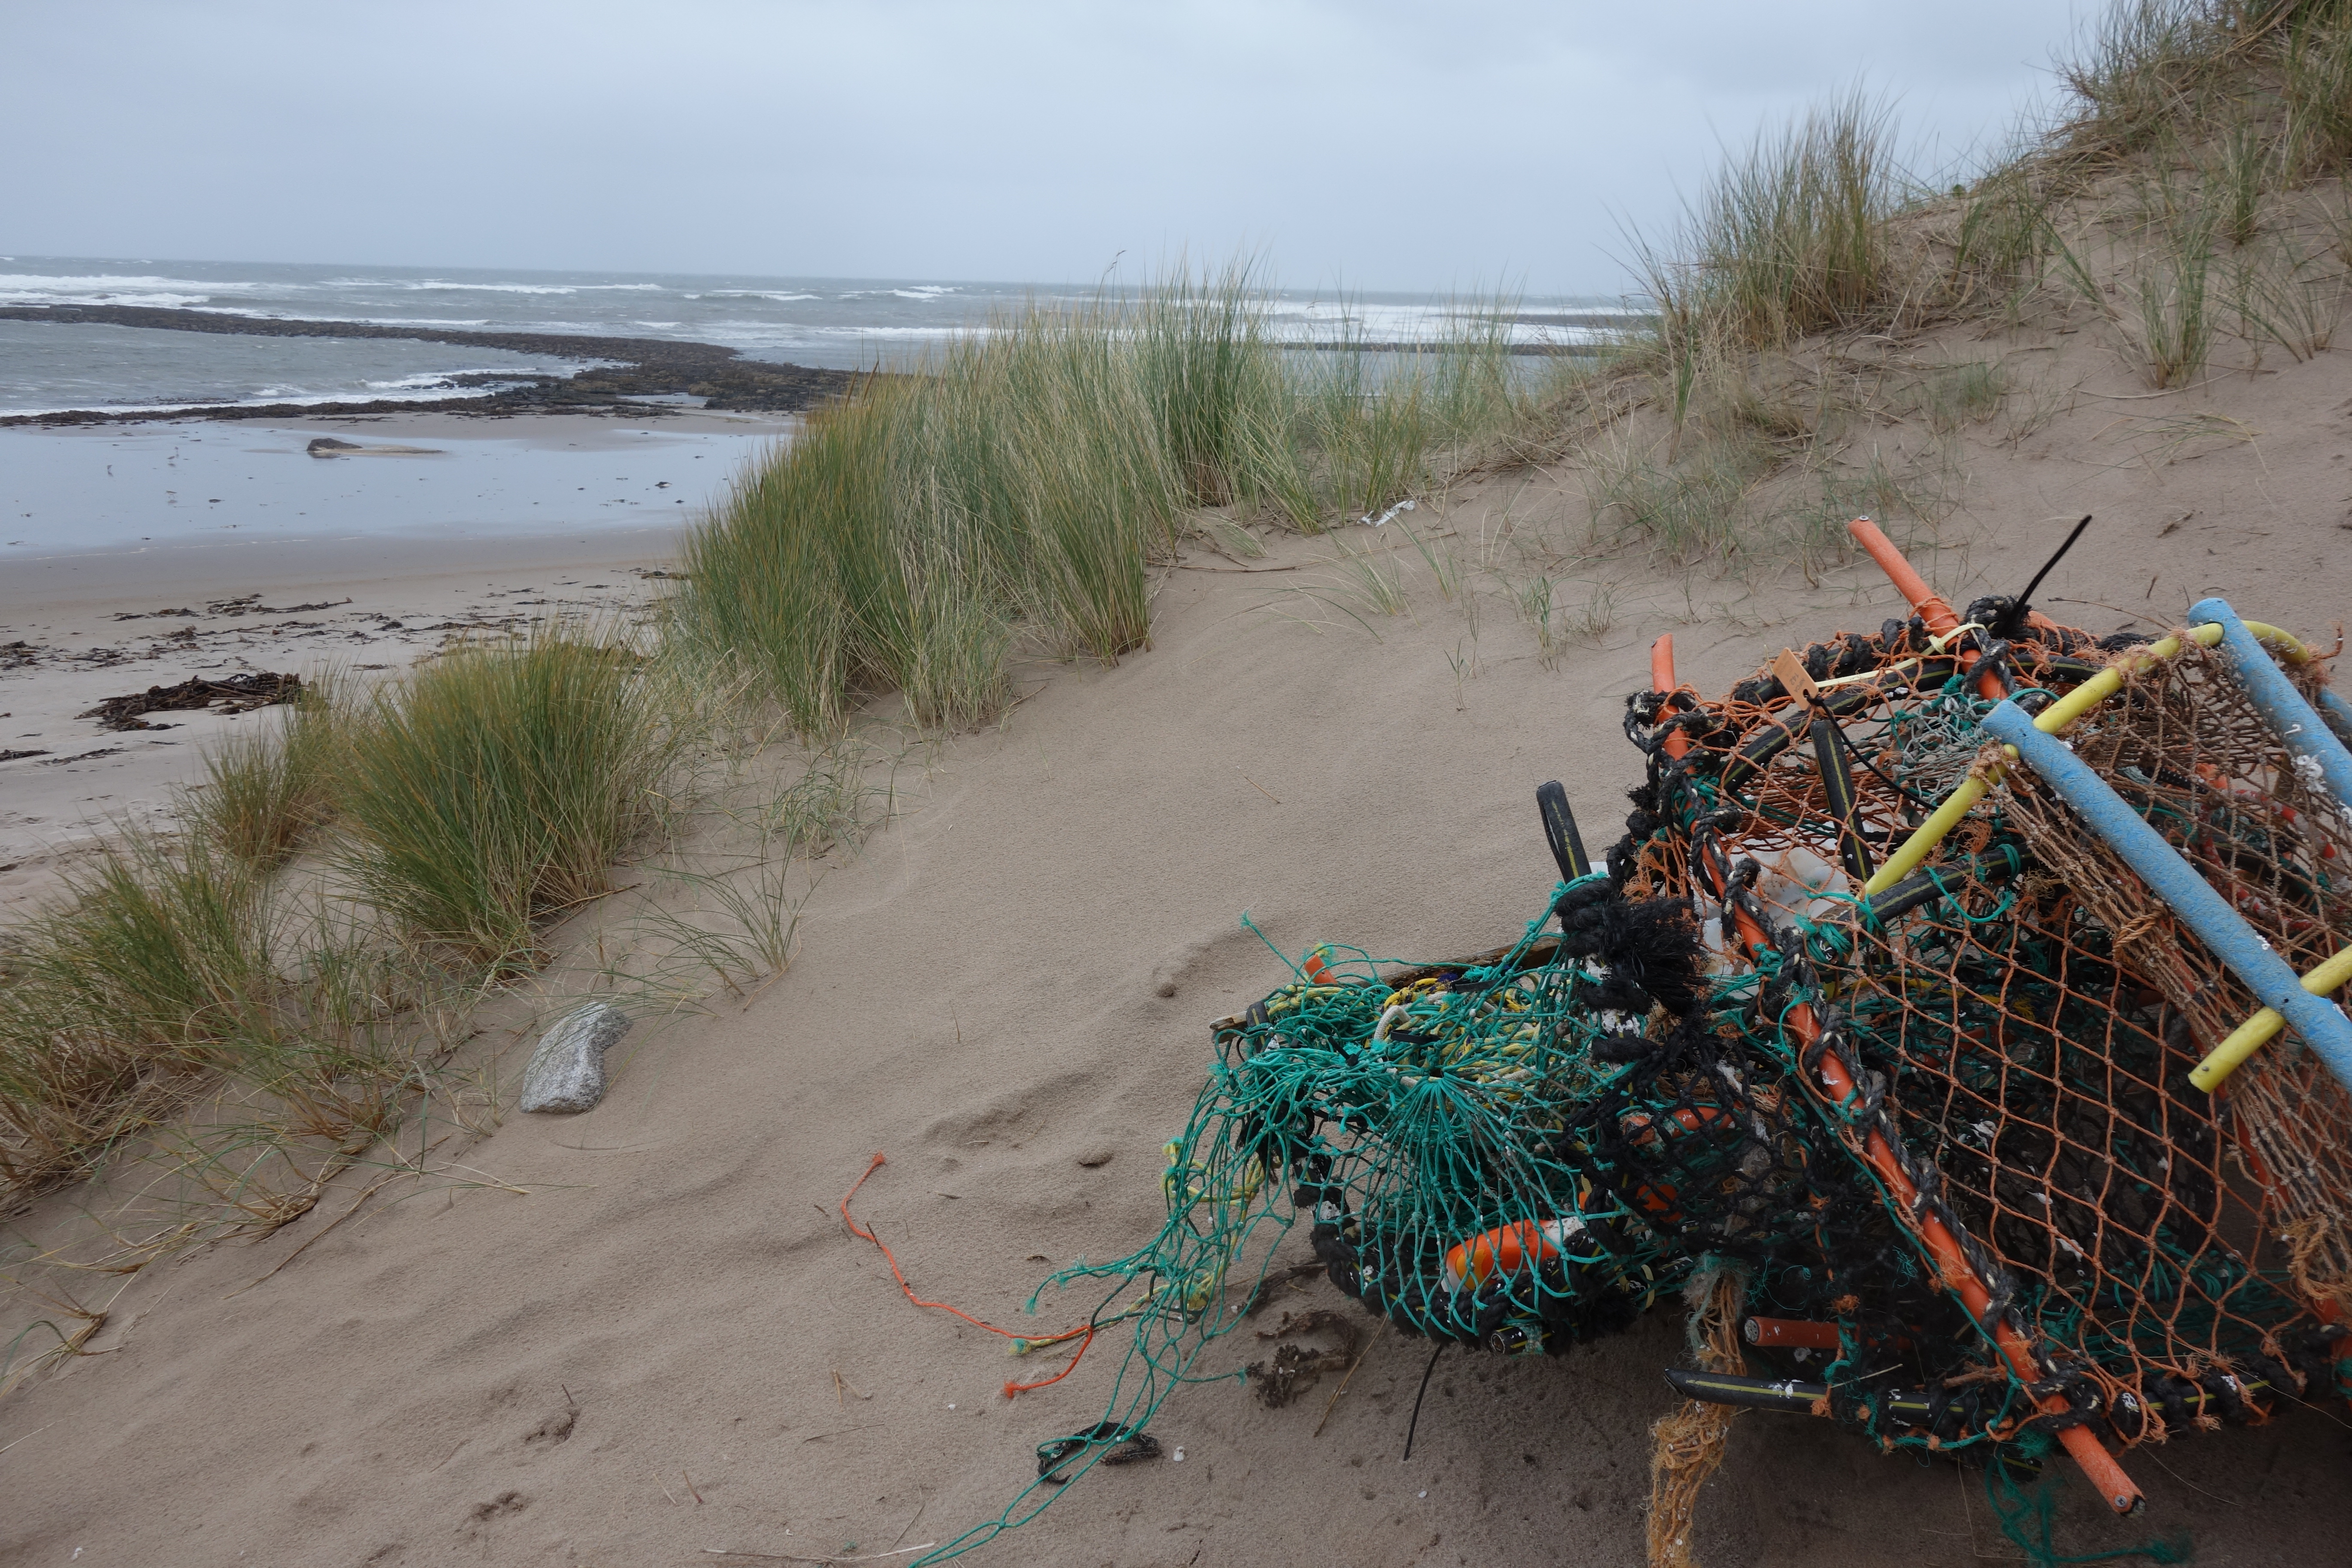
(2049, 721)
(2258, 1031)
(2110, 681)
(1922, 844)
(2286, 644)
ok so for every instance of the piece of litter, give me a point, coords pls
(1421, 1494)
(1180, 1455)
(1407, 504)
(951, 1408)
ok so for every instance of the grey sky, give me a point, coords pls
(1377, 145)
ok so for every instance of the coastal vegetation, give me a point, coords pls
(498, 787)
(1018, 488)
(2184, 207)
(265, 993)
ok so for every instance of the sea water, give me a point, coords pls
(834, 322)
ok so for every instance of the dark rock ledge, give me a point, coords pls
(637, 368)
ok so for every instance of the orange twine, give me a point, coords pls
(1035, 1340)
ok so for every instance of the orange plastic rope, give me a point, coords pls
(1035, 1340)
(1012, 1388)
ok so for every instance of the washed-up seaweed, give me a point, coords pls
(237, 694)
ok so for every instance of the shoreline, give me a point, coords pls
(397, 557)
(626, 371)
(80, 495)
(363, 609)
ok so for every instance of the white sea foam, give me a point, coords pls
(926, 292)
(157, 300)
(262, 399)
(781, 297)
(440, 284)
(112, 283)
(442, 379)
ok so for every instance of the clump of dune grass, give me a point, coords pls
(1533, 599)
(265, 788)
(1371, 577)
(1020, 480)
(733, 907)
(2279, 299)
(1954, 396)
(1788, 238)
(154, 967)
(1220, 392)
(2138, 65)
(1792, 236)
(2266, 88)
(1687, 508)
(2316, 87)
(2172, 293)
(498, 787)
(1011, 490)
(2002, 242)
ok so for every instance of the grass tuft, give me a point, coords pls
(2316, 86)
(156, 967)
(2174, 333)
(1788, 238)
(1688, 510)
(1957, 394)
(496, 786)
(1015, 486)
(2277, 300)
(267, 788)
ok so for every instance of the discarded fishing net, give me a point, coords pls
(1771, 812)
(1422, 1124)
(2069, 1240)
(2188, 751)
(1862, 1038)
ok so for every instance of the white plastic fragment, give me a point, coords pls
(1180, 1455)
(566, 1073)
(1408, 504)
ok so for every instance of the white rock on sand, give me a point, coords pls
(566, 1075)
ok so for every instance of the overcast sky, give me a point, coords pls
(1451, 143)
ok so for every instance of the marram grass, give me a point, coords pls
(1016, 486)
(496, 786)
(267, 786)
(491, 789)
(155, 968)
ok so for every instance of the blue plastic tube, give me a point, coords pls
(2281, 706)
(2336, 712)
(2321, 1023)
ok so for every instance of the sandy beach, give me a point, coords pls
(645, 1336)
(357, 565)
(735, 832)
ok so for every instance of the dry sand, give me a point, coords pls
(625, 1350)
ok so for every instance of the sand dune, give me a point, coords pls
(615, 1339)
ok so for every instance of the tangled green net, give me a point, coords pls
(1422, 1130)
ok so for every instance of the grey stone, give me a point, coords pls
(567, 1070)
